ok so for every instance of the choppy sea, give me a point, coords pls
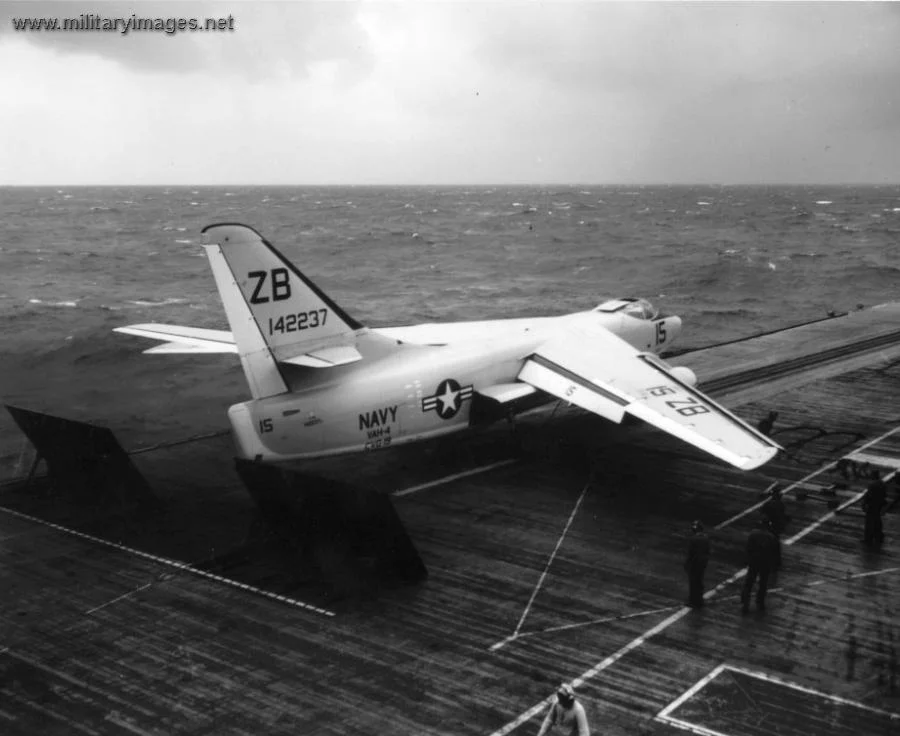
(78, 261)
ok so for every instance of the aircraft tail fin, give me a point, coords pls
(276, 313)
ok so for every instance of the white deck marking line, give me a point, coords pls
(810, 691)
(693, 728)
(665, 717)
(787, 489)
(578, 681)
(792, 486)
(872, 573)
(797, 537)
(725, 583)
(456, 476)
(702, 682)
(799, 586)
(118, 598)
(182, 566)
(830, 515)
(540, 582)
(882, 460)
(720, 599)
(662, 626)
(595, 622)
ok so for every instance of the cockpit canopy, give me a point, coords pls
(637, 308)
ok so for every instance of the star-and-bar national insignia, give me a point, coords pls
(447, 399)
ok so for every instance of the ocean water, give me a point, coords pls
(79, 261)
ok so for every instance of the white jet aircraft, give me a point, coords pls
(324, 384)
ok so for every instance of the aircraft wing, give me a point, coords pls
(598, 371)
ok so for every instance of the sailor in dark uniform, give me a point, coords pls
(761, 557)
(873, 504)
(776, 515)
(695, 564)
(765, 426)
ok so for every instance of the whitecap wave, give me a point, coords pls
(164, 302)
(54, 304)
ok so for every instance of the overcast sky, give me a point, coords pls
(456, 92)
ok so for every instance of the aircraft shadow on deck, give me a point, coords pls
(326, 530)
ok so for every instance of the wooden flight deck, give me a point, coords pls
(561, 562)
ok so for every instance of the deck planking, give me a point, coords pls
(95, 640)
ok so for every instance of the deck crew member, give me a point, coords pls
(775, 513)
(566, 715)
(765, 426)
(761, 555)
(873, 504)
(695, 563)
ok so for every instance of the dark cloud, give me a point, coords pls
(269, 38)
(143, 51)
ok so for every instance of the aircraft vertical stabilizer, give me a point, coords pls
(275, 312)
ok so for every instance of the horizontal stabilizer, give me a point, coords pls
(183, 339)
(199, 340)
(326, 357)
(169, 348)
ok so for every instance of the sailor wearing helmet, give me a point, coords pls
(566, 715)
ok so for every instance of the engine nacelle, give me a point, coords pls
(685, 375)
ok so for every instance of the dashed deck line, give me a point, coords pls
(182, 566)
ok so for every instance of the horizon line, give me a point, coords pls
(479, 185)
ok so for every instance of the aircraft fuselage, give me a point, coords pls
(412, 393)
